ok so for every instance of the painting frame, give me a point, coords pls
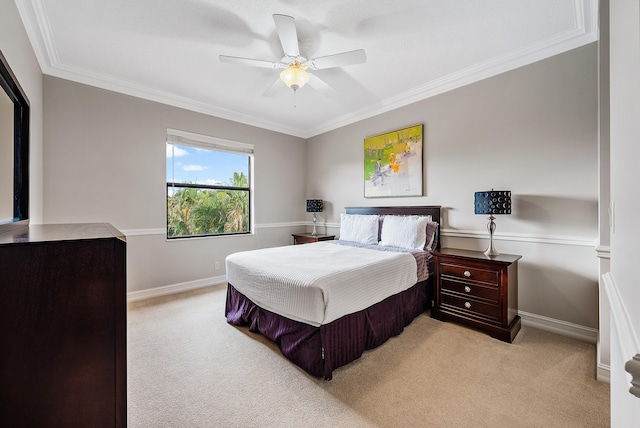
(393, 163)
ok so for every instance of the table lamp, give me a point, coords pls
(492, 202)
(314, 206)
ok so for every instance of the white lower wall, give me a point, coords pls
(153, 262)
(557, 275)
(563, 328)
(470, 240)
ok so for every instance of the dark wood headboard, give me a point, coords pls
(432, 210)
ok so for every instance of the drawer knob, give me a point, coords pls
(467, 288)
(467, 305)
(467, 273)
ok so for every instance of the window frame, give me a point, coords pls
(205, 142)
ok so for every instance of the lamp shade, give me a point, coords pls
(295, 77)
(314, 205)
(493, 202)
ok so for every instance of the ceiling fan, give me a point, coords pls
(295, 66)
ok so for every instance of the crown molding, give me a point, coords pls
(33, 14)
(584, 32)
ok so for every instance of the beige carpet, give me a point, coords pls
(188, 368)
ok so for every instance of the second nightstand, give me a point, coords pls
(477, 290)
(306, 238)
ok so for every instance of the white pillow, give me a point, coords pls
(408, 232)
(359, 228)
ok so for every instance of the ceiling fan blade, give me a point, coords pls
(286, 28)
(317, 83)
(249, 62)
(337, 60)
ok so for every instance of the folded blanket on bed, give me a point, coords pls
(320, 282)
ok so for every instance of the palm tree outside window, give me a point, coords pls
(208, 186)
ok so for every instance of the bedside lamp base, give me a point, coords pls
(491, 251)
(314, 233)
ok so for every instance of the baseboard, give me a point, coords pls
(563, 328)
(603, 373)
(149, 293)
(586, 334)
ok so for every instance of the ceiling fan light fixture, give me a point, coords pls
(294, 77)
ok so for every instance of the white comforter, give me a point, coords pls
(320, 282)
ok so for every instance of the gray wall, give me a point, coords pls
(105, 162)
(532, 131)
(17, 49)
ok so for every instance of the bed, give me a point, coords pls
(327, 302)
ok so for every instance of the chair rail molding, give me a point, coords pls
(603, 251)
(628, 341)
(163, 230)
(576, 241)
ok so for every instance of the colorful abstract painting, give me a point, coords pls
(393, 163)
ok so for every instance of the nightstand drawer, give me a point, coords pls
(471, 289)
(308, 238)
(304, 239)
(471, 306)
(471, 273)
(477, 290)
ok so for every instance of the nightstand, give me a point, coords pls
(477, 290)
(306, 238)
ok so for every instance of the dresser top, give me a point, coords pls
(455, 252)
(59, 232)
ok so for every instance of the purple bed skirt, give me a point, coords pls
(320, 350)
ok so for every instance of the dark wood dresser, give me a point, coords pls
(63, 319)
(307, 238)
(477, 290)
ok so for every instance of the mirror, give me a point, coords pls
(6, 158)
(14, 148)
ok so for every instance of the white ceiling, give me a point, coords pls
(167, 50)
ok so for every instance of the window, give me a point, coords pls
(209, 185)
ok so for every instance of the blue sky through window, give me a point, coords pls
(199, 166)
